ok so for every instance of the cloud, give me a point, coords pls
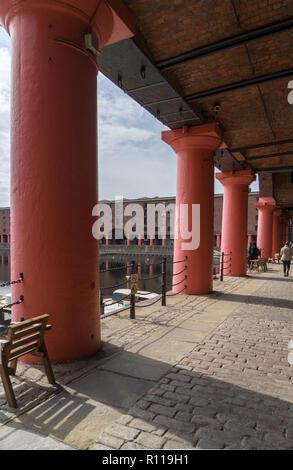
(133, 161)
(4, 126)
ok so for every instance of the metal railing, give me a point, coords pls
(19, 301)
(162, 295)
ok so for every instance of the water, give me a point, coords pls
(115, 276)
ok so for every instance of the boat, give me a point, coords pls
(121, 297)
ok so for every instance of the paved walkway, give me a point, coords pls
(204, 372)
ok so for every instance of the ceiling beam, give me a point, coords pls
(271, 155)
(263, 145)
(228, 43)
(241, 84)
(281, 169)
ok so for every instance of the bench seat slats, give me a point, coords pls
(22, 342)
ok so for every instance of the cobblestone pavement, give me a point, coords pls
(231, 388)
(234, 390)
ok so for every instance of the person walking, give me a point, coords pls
(286, 255)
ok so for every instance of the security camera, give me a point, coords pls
(217, 108)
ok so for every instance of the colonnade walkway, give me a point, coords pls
(205, 372)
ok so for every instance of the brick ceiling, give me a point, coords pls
(250, 114)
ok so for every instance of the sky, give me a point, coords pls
(133, 161)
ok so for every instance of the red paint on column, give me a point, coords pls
(139, 241)
(265, 206)
(164, 242)
(54, 165)
(234, 220)
(195, 147)
(218, 240)
(276, 237)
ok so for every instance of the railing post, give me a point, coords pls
(102, 305)
(222, 267)
(164, 281)
(132, 295)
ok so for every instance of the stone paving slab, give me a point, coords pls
(137, 366)
(155, 385)
(234, 390)
(17, 437)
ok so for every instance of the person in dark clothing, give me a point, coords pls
(253, 252)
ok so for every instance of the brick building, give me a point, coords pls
(218, 206)
(4, 224)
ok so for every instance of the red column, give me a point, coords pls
(265, 206)
(128, 241)
(1, 239)
(8, 238)
(218, 240)
(139, 241)
(249, 239)
(195, 147)
(234, 220)
(107, 241)
(164, 242)
(151, 241)
(54, 164)
(276, 237)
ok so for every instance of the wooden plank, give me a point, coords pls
(22, 351)
(26, 332)
(26, 340)
(24, 323)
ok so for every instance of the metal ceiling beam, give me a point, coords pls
(228, 43)
(281, 169)
(271, 155)
(265, 144)
(238, 85)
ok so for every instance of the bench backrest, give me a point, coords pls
(25, 337)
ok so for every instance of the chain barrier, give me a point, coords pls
(4, 307)
(173, 295)
(9, 283)
(223, 265)
(177, 283)
(113, 269)
(131, 296)
(177, 274)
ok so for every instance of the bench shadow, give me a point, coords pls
(191, 409)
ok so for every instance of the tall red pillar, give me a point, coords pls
(54, 163)
(195, 147)
(276, 236)
(265, 206)
(234, 219)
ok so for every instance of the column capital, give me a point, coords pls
(277, 212)
(207, 136)
(244, 177)
(266, 203)
(110, 20)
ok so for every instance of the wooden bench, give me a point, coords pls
(258, 263)
(26, 337)
(276, 258)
